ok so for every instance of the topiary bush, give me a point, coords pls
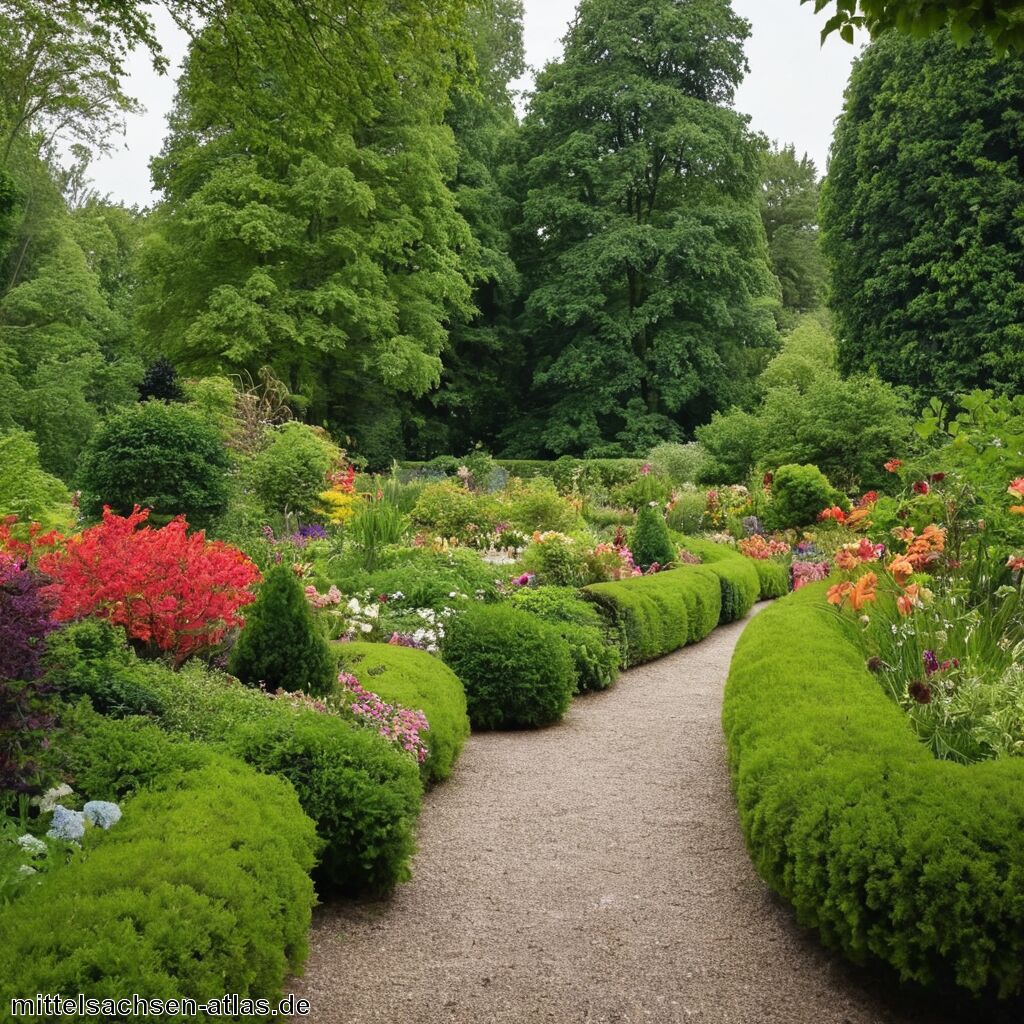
(773, 578)
(416, 680)
(202, 887)
(799, 493)
(281, 646)
(517, 670)
(289, 474)
(889, 853)
(158, 456)
(649, 540)
(741, 585)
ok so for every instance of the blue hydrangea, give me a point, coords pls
(69, 825)
(102, 813)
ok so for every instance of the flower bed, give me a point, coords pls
(888, 852)
(415, 679)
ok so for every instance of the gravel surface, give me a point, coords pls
(590, 872)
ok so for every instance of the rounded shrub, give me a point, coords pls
(450, 510)
(773, 577)
(289, 474)
(737, 574)
(891, 854)
(799, 493)
(281, 646)
(419, 681)
(516, 669)
(650, 541)
(167, 458)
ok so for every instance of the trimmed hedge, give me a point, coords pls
(201, 888)
(417, 680)
(657, 614)
(517, 669)
(773, 578)
(888, 852)
(363, 793)
(741, 584)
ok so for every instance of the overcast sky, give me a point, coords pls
(793, 93)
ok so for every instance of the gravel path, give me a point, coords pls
(591, 872)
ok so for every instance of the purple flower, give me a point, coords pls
(931, 663)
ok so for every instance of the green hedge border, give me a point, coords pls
(417, 680)
(889, 853)
(201, 888)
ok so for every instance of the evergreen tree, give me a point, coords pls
(650, 292)
(921, 216)
(650, 542)
(281, 646)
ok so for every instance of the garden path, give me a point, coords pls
(592, 872)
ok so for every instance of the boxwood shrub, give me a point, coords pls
(201, 888)
(516, 669)
(363, 793)
(657, 614)
(741, 585)
(415, 679)
(773, 578)
(886, 851)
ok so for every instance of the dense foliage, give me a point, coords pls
(921, 216)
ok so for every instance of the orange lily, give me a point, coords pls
(908, 600)
(863, 591)
(838, 594)
(901, 569)
(1016, 487)
(846, 559)
(893, 465)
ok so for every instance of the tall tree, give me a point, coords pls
(922, 216)
(789, 209)
(483, 351)
(641, 239)
(307, 224)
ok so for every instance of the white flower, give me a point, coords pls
(353, 606)
(31, 844)
(454, 593)
(366, 627)
(52, 797)
(27, 869)
(372, 610)
(397, 596)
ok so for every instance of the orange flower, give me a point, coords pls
(846, 559)
(908, 600)
(864, 591)
(893, 465)
(903, 533)
(901, 569)
(1015, 562)
(1016, 487)
(859, 517)
(838, 594)
(866, 551)
(1017, 510)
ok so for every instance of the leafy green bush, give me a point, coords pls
(450, 510)
(799, 493)
(649, 541)
(158, 456)
(558, 560)
(281, 646)
(891, 854)
(732, 442)
(536, 505)
(741, 585)
(687, 512)
(363, 793)
(202, 887)
(427, 579)
(679, 463)
(90, 659)
(556, 604)
(288, 475)
(516, 669)
(417, 680)
(26, 490)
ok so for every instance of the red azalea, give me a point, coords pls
(893, 465)
(868, 499)
(921, 487)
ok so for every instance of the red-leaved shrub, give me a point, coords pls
(170, 590)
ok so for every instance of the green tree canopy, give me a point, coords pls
(922, 216)
(641, 239)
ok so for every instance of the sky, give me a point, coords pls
(794, 91)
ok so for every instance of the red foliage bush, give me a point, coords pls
(170, 590)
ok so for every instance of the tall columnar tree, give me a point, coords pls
(641, 239)
(789, 209)
(921, 216)
(307, 224)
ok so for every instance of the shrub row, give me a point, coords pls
(201, 888)
(773, 578)
(657, 614)
(606, 472)
(888, 852)
(741, 585)
(415, 679)
(363, 794)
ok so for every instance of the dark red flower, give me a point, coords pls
(937, 478)
(921, 487)
(920, 692)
